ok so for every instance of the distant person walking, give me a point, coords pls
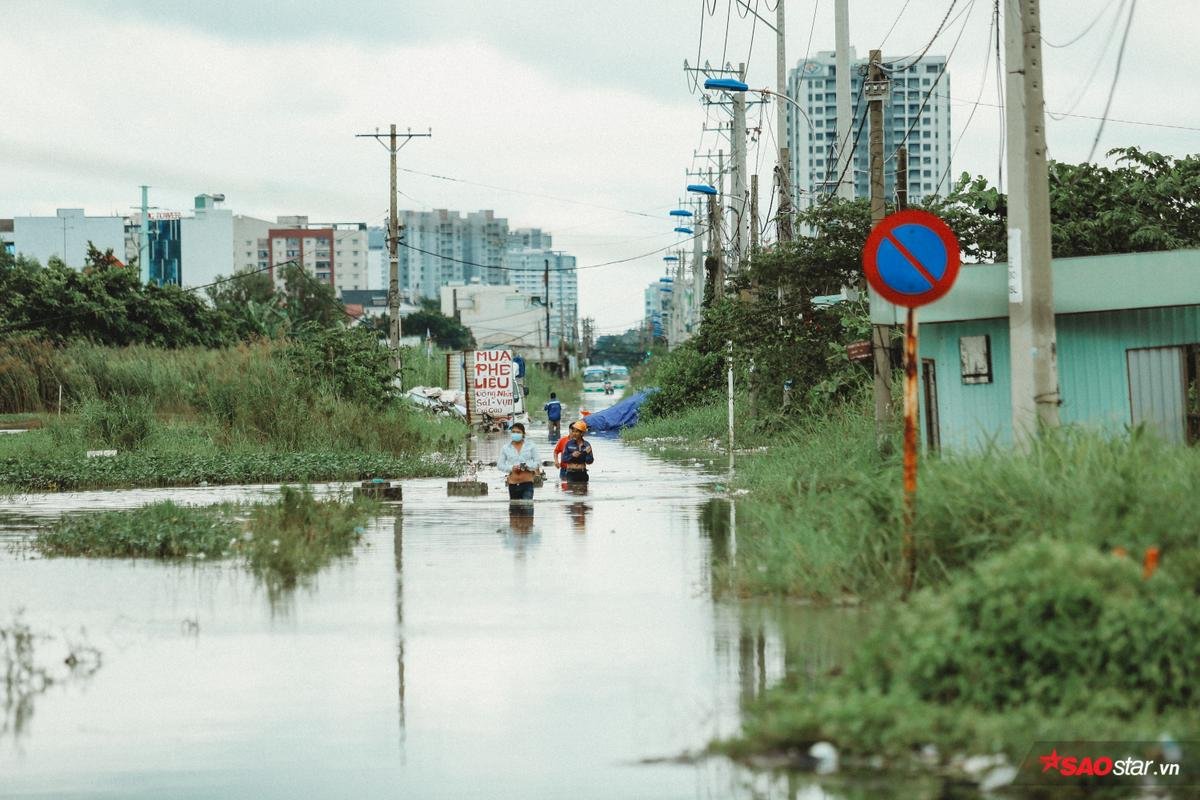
(519, 463)
(576, 455)
(553, 411)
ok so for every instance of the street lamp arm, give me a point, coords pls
(790, 100)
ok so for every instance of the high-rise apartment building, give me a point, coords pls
(335, 253)
(440, 247)
(916, 108)
(537, 270)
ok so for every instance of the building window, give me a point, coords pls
(975, 358)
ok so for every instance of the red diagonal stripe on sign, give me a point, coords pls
(891, 237)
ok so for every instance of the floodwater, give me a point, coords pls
(466, 650)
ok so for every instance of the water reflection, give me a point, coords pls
(398, 551)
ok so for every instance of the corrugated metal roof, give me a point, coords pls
(1092, 283)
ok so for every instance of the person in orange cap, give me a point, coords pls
(576, 455)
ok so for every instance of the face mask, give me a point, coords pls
(516, 437)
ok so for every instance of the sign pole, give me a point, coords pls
(911, 412)
(911, 259)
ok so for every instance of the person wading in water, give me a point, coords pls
(519, 463)
(576, 455)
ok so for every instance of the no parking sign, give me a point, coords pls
(911, 258)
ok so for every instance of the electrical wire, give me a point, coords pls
(1086, 85)
(974, 106)
(728, 19)
(888, 35)
(1113, 87)
(1084, 32)
(932, 39)
(529, 194)
(523, 269)
(1003, 126)
(945, 65)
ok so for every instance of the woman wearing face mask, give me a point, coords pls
(519, 463)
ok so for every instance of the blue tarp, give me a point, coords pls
(619, 415)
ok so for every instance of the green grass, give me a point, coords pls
(160, 530)
(282, 541)
(183, 468)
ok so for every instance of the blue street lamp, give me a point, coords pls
(680, 212)
(727, 85)
(734, 85)
(670, 258)
(684, 230)
(701, 188)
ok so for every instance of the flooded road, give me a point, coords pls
(463, 651)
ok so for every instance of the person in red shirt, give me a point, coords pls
(562, 443)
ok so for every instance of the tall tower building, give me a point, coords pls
(813, 147)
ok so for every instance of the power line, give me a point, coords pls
(941, 72)
(530, 194)
(975, 106)
(1082, 33)
(888, 35)
(1116, 74)
(1085, 86)
(932, 39)
(523, 269)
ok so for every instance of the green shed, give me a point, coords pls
(1128, 332)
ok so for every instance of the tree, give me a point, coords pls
(307, 299)
(1147, 202)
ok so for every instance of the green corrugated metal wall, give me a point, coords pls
(1091, 363)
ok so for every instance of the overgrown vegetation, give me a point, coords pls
(316, 406)
(1031, 619)
(282, 541)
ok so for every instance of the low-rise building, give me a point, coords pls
(1128, 347)
(497, 316)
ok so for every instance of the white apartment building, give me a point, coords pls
(529, 262)
(812, 84)
(440, 247)
(66, 236)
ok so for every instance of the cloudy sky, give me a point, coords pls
(574, 117)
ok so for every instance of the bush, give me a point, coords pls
(1048, 637)
(686, 378)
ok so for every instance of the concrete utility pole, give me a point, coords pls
(546, 298)
(143, 238)
(698, 267)
(394, 242)
(753, 215)
(738, 154)
(902, 177)
(841, 21)
(715, 254)
(876, 91)
(1031, 325)
(783, 170)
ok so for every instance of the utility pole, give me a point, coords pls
(876, 91)
(841, 24)
(394, 242)
(716, 247)
(738, 155)
(143, 238)
(753, 215)
(546, 298)
(1031, 324)
(783, 170)
(902, 177)
(698, 268)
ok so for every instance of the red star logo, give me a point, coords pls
(1050, 762)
